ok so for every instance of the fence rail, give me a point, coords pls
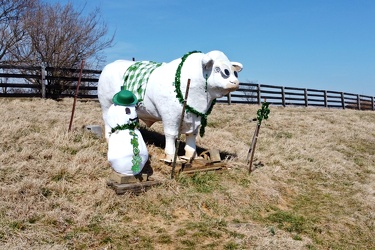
(46, 82)
(26, 81)
(291, 96)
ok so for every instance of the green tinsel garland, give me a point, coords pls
(134, 141)
(263, 112)
(131, 126)
(136, 158)
(180, 97)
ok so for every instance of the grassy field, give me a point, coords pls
(313, 186)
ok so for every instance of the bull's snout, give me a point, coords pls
(233, 85)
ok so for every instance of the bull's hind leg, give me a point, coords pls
(107, 128)
(170, 146)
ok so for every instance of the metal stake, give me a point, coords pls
(180, 128)
(252, 147)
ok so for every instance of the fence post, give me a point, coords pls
(229, 99)
(372, 103)
(343, 100)
(43, 74)
(259, 95)
(306, 99)
(359, 102)
(283, 96)
(325, 99)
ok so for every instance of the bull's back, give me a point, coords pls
(111, 80)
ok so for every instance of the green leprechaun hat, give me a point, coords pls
(124, 98)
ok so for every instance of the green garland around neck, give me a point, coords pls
(177, 84)
(132, 125)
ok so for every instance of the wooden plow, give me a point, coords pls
(207, 161)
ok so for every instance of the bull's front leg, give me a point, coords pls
(170, 146)
(190, 147)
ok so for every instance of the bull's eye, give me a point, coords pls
(224, 70)
(236, 74)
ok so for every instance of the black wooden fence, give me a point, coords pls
(46, 82)
(287, 96)
(25, 81)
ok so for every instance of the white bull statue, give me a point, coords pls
(160, 89)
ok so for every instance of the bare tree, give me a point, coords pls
(11, 16)
(58, 36)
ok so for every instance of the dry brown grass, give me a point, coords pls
(314, 187)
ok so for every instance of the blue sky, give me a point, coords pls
(320, 44)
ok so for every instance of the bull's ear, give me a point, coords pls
(207, 62)
(236, 66)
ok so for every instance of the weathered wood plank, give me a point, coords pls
(135, 188)
(122, 179)
(203, 167)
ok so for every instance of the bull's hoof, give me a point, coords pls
(186, 158)
(168, 158)
(190, 154)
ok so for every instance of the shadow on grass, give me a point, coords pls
(157, 139)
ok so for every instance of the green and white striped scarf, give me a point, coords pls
(136, 77)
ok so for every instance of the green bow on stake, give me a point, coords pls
(262, 114)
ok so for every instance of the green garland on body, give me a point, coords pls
(134, 141)
(136, 158)
(180, 97)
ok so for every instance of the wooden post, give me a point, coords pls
(75, 96)
(252, 148)
(283, 96)
(325, 99)
(43, 79)
(359, 102)
(372, 103)
(229, 99)
(177, 144)
(261, 114)
(259, 95)
(343, 100)
(306, 98)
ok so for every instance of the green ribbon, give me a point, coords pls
(179, 96)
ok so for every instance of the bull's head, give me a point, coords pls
(221, 73)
